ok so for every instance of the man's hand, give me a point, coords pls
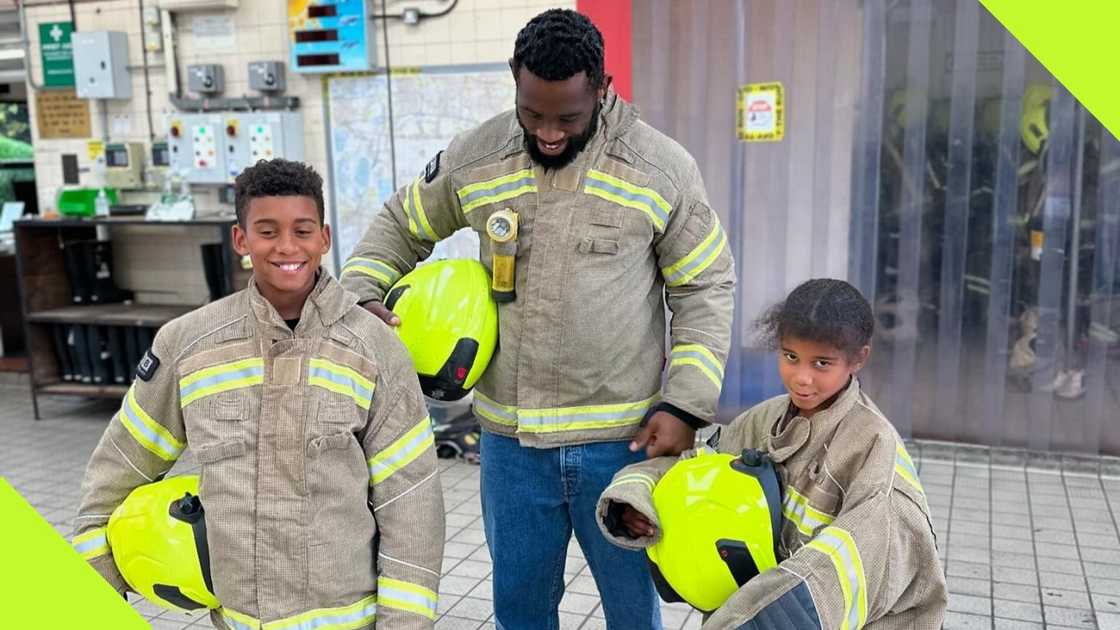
(664, 434)
(636, 524)
(378, 309)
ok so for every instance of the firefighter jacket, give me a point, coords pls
(318, 473)
(600, 242)
(857, 546)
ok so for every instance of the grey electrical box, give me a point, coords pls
(205, 79)
(266, 76)
(101, 64)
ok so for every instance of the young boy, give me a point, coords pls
(856, 547)
(318, 471)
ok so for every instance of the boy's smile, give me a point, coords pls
(285, 240)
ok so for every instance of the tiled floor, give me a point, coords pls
(1028, 542)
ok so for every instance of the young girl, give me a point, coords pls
(856, 547)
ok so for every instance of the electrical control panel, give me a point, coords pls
(254, 136)
(192, 140)
(214, 148)
(101, 64)
(124, 165)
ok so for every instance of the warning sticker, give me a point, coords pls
(761, 112)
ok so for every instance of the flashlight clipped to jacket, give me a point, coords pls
(501, 227)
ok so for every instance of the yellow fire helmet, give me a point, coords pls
(1033, 125)
(449, 323)
(158, 539)
(720, 516)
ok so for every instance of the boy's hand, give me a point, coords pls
(378, 309)
(636, 524)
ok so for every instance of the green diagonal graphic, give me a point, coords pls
(1078, 42)
(45, 583)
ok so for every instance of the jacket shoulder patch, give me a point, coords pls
(432, 169)
(148, 366)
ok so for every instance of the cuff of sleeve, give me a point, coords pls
(609, 516)
(680, 414)
(107, 568)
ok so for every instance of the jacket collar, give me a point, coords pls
(789, 437)
(615, 118)
(325, 305)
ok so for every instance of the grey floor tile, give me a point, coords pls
(973, 570)
(968, 586)
(1065, 599)
(1108, 621)
(1103, 586)
(1016, 592)
(1021, 611)
(1015, 576)
(961, 621)
(1106, 603)
(1065, 581)
(970, 604)
(457, 623)
(579, 604)
(472, 608)
(1016, 624)
(1072, 617)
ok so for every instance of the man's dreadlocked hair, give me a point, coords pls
(823, 310)
(557, 45)
(277, 178)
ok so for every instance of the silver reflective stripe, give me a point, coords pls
(701, 357)
(136, 423)
(245, 372)
(497, 190)
(702, 259)
(341, 379)
(645, 200)
(403, 451)
(423, 601)
(91, 544)
(599, 416)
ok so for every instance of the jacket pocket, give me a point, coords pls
(590, 245)
(212, 453)
(336, 410)
(334, 442)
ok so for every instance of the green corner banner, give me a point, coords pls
(45, 583)
(1078, 42)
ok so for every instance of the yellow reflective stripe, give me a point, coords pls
(494, 411)
(342, 380)
(357, 615)
(696, 261)
(628, 195)
(496, 190)
(802, 515)
(220, 378)
(91, 544)
(838, 545)
(641, 478)
(904, 466)
(383, 272)
(417, 220)
(402, 452)
(700, 357)
(146, 431)
(406, 596)
(555, 419)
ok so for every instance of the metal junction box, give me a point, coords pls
(101, 64)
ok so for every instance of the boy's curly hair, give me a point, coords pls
(559, 44)
(277, 178)
(824, 310)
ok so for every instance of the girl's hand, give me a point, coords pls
(636, 524)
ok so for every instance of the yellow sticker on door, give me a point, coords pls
(761, 112)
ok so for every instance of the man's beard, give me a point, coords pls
(571, 150)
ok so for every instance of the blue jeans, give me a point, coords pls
(532, 500)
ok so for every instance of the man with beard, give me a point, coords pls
(607, 221)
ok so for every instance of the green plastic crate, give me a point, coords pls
(81, 202)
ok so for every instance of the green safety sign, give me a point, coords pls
(58, 56)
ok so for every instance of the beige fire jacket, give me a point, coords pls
(318, 471)
(600, 242)
(857, 546)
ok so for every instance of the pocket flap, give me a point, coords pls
(229, 407)
(598, 246)
(210, 453)
(335, 441)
